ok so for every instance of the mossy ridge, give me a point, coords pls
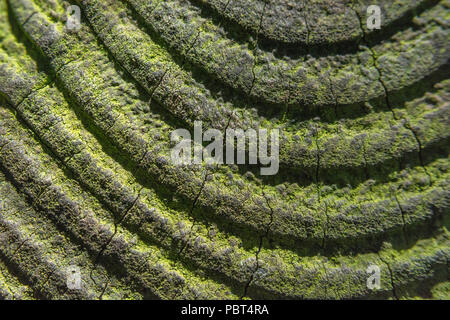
(49, 116)
(440, 291)
(11, 288)
(26, 258)
(44, 98)
(345, 277)
(290, 144)
(311, 158)
(13, 160)
(55, 247)
(73, 149)
(435, 168)
(384, 138)
(303, 232)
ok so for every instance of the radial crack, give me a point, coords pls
(386, 94)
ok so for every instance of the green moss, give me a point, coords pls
(88, 149)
